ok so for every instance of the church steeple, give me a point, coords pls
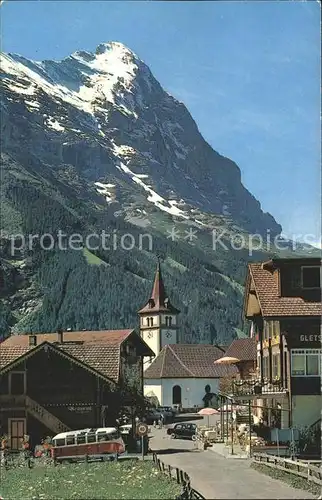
(158, 292)
(158, 318)
(158, 300)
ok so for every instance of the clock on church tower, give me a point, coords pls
(158, 319)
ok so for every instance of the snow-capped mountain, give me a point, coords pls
(94, 143)
(106, 117)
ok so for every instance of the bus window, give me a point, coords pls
(80, 438)
(114, 435)
(70, 439)
(91, 437)
(102, 436)
(59, 442)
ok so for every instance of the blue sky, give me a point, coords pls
(249, 73)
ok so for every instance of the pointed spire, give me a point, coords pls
(158, 291)
(159, 300)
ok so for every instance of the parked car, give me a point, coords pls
(167, 411)
(183, 430)
(152, 416)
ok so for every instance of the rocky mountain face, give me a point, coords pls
(107, 116)
(93, 142)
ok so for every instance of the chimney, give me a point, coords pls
(60, 335)
(32, 340)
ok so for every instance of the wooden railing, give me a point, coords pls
(35, 409)
(180, 476)
(45, 417)
(297, 467)
(248, 387)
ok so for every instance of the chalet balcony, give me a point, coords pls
(255, 388)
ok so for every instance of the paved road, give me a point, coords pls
(215, 476)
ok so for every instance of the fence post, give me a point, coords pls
(177, 475)
(169, 470)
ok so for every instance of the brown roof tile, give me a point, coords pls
(99, 350)
(188, 361)
(11, 353)
(271, 304)
(104, 359)
(242, 349)
(110, 337)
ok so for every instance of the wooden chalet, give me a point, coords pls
(283, 303)
(68, 380)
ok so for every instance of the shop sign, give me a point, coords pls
(80, 409)
(310, 338)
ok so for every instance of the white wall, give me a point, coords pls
(155, 386)
(152, 338)
(173, 316)
(192, 390)
(168, 336)
(156, 320)
(305, 410)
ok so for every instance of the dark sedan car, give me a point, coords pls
(183, 431)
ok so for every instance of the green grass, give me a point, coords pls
(92, 259)
(109, 480)
(291, 479)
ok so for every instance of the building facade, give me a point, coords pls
(53, 382)
(283, 303)
(179, 374)
(186, 375)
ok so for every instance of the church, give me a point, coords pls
(184, 375)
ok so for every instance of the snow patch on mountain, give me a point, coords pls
(153, 197)
(107, 190)
(54, 124)
(32, 104)
(112, 66)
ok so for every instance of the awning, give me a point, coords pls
(226, 360)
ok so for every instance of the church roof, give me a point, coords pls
(188, 361)
(158, 301)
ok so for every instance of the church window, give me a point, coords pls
(150, 321)
(151, 303)
(176, 395)
(168, 320)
